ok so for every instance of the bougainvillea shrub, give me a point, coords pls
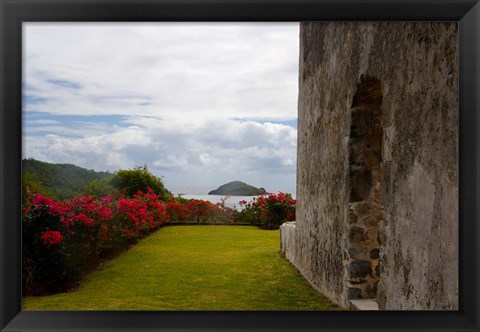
(177, 211)
(62, 240)
(42, 242)
(267, 212)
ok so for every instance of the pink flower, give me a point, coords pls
(42, 200)
(105, 213)
(50, 238)
(106, 199)
(84, 220)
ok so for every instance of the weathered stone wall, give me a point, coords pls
(415, 65)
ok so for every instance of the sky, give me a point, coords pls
(200, 104)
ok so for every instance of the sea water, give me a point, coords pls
(230, 201)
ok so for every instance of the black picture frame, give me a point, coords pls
(14, 12)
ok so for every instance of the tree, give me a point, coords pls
(100, 188)
(129, 182)
(33, 183)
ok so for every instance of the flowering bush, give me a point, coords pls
(268, 212)
(50, 238)
(177, 211)
(200, 211)
(140, 215)
(62, 240)
(42, 242)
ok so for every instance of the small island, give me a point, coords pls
(238, 188)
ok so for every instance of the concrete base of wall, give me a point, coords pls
(363, 305)
(287, 240)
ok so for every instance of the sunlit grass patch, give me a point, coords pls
(194, 268)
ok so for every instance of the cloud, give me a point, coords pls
(43, 122)
(199, 103)
(241, 70)
(188, 154)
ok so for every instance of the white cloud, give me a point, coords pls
(198, 154)
(43, 122)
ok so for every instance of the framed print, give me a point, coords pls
(338, 141)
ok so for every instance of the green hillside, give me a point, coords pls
(62, 180)
(238, 188)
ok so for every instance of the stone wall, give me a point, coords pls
(389, 220)
(365, 203)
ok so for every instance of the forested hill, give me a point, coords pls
(238, 188)
(61, 180)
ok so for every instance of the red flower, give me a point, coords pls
(127, 232)
(26, 210)
(242, 202)
(84, 220)
(105, 213)
(42, 200)
(106, 199)
(67, 222)
(261, 200)
(50, 238)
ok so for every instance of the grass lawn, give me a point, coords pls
(194, 268)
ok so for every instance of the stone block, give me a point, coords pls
(357, 234)
(359, 269)
(373, 221)
(354, 293)
(355, 251)
(361, 185)
(375, 253)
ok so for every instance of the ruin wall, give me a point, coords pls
(385, 226)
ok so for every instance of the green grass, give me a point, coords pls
(194, 268)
